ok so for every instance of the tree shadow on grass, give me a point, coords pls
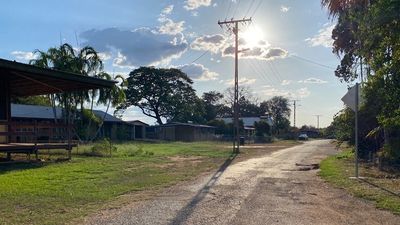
(187, 210)
(6, 167)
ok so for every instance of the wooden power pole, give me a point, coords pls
(294, 111)
(318, 116)
(233, 25)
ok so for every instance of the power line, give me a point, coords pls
(229, 9)
(205, 52)
(275, 68)
(313, 62)
(258, 6)
(236, 8)
(248, 10)
(260, 74)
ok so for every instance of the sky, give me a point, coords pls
(286, 49)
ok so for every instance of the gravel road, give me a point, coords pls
(279, 188)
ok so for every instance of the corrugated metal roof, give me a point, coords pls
(185, 124)
(46, 112)
(26, 80)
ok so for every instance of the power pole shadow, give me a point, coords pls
(187, 210)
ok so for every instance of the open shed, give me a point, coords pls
(18, 79)
(187, 132)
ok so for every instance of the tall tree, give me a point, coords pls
(248, 103)
(161, 93)
(278, 108)
(65, 58)
(370, 30)
(212, 104)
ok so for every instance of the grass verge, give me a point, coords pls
(58, 193)
(375, 186)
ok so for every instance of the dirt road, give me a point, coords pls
(280, 188)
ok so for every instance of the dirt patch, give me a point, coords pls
(185, 158)
(306, 167)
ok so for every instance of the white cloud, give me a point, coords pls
(21, 55)
(198, 72)
(168, 10)
(270, 92)
(284, 9)
(120, 61)
(142, 46)
(299, 93)
(168, 26)
(104, 56)
(313, 80)
(258, 52)
(286, 82)
(242, 81)
(323, 38)
(213, 43)
(194, 4)
(303, 92)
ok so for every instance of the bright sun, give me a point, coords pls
(253, 36)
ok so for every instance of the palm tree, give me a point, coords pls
(65, 58)
(112, 97)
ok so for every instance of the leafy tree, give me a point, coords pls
(66, 58)
(370, 30)
(212, 104)
(86, 62)
(262, 128)
(161, 93)
(248, 104)
(32, 100)
(278, 108)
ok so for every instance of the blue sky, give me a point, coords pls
(131, 33)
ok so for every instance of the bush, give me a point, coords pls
(102, 148)
(139, 151)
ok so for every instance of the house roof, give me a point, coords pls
(185, 124)
(25, 80)
(34, 111)
(46, 112)
(136, 122)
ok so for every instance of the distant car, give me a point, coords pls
(303, 137)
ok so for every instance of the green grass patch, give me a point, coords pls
(54, 193)
(338, 169)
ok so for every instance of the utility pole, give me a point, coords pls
(294, 112)
(235, 30)
(318, 120)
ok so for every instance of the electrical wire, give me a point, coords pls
(205, 52)
(312, 62)
(258, 6)
(236, 8)
(248, 10)
(229, 9)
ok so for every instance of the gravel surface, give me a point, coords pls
(279, 188)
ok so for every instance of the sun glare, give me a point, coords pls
(253, 36)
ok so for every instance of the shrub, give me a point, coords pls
(102, 148)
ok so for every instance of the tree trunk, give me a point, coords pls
(102, 121)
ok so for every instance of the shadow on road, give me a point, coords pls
(382, 188)
(187, 210)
